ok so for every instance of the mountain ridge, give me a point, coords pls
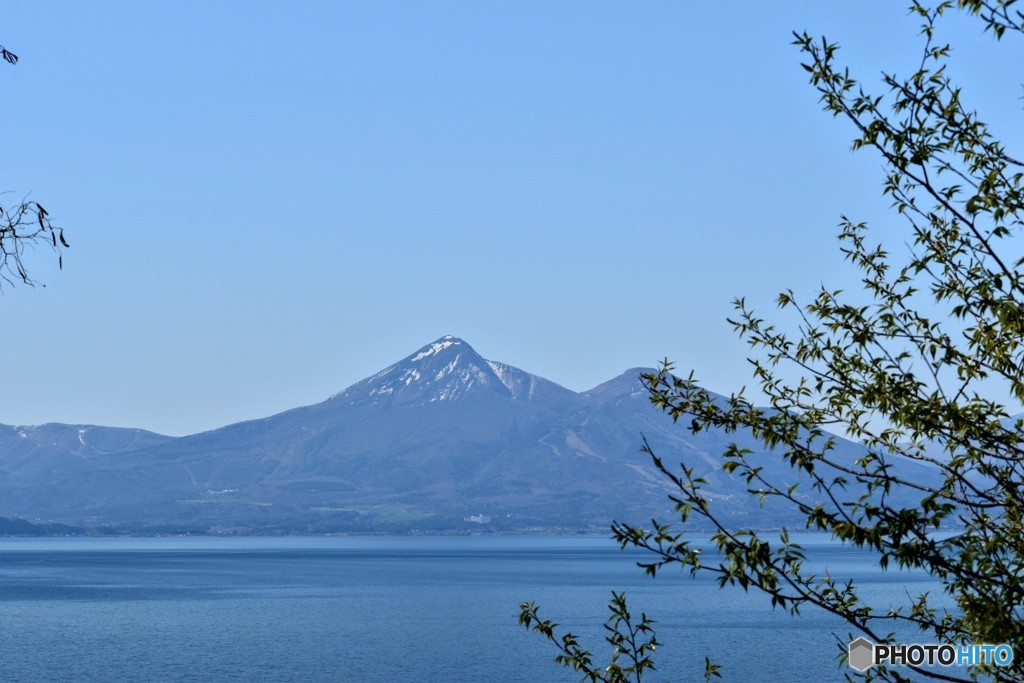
(430, 443)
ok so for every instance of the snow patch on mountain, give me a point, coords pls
(500, 370)
(461, 381)
(447, 369)
(520, 384)
(437, 347)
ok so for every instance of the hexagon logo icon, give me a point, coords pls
(861, 654)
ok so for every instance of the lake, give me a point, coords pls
(405, 608)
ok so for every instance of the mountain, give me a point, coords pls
(442, 440)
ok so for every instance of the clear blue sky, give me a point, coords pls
(270, 201)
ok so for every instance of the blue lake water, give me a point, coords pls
(385, 609)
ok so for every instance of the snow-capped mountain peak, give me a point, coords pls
(443, 370)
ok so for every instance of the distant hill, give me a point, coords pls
(442, 440)
(21, 527)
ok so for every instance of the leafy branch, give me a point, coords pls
(632, 644)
